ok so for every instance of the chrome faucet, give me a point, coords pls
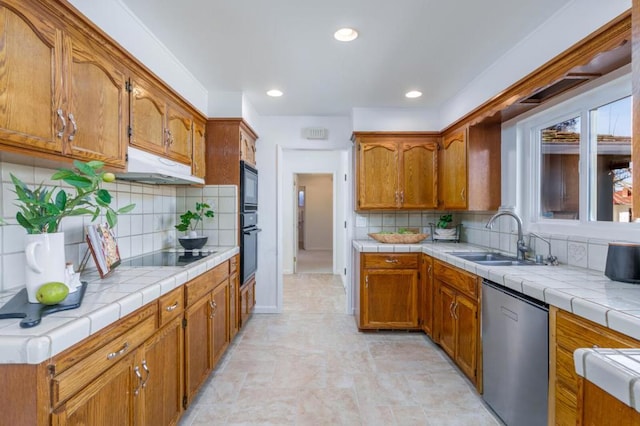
(551, 259)
(522, 247)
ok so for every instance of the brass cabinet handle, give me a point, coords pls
(214, 308)
(146, 369)
(451, 309)
(462, 194)
(429, 270)
(366, 281)
(172, 307)
(116, 354)
(72, 135)
(401, 197)
(391, 260)
(136, 370)
(63, 121)
(455, 314)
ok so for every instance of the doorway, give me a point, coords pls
(313, 233)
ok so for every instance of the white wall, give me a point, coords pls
(398, 119)
(117, 20)
(281, 151)
(318, 211)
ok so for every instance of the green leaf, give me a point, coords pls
(24, 222)
(104, 196)
(79, 182)
(182, 227)
(112, 218)
(126, 209)
(61, 200)
(62, 174)
(95, 164)
(84, 168)
(79, 212)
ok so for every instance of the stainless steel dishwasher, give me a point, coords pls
(515, 358)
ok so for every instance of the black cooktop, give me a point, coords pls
(166, 258)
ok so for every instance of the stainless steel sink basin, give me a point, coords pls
(491, 259)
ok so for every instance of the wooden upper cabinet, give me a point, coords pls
(31, 80)
(229, 141)
(199, 143)
(470, 168)
(453, 177)
(377, 175)
(396, 170)
(97, 113)
(418, 174)
(159, 124)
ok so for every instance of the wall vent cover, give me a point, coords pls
(315, 133)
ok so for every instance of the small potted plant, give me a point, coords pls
(443, 226)
(189, 222)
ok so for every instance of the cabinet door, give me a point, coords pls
(198, 346)
(418, 175)
(148, 117)
(219, 316)
(31, 80)
(247, 148)
(198, 167)
(453, 181)
(446, 323)
(180, 141)
(108, 400)
(466, 314)
(97, 115)
(377, 175)
(426, 295)
(161, 362)
(233, 306)
(390, 298)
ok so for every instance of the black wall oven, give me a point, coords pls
(248, 188)
(248, 221)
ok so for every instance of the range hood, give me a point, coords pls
(145, 167)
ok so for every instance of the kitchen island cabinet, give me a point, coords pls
(396, 170)
(388, 293)
(597, 407)
(456, 323)
(569, 332)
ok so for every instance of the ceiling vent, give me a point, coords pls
(315, 133)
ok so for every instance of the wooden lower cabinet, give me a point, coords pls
(426, 295)
(247, 300)
(456, 325)
(144, 369)
(597, 407)
(389, 288)
(234, 301)
(569, 332)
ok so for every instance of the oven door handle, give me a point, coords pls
(251, 231)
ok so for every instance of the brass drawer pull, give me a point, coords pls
(172, 307)
(136, 370)
(146, 369)
(63, 121)
(75, 127)
(389, 260)
(122, 350)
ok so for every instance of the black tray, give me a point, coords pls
(19, 307)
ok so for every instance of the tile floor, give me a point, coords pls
(311, 366)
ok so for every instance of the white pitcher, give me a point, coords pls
(45, 261)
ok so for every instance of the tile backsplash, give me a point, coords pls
(149, 227)
(570, 250)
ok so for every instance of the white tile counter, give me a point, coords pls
(616, 371)
(105, 301)
(584, 292)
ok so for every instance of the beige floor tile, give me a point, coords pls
(310, 366)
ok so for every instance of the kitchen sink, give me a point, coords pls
(491, 259)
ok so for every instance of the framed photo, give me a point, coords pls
(104, 248)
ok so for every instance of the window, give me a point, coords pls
(583, 166)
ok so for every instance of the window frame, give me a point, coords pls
(578, 102)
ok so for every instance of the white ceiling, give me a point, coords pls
(250, 46)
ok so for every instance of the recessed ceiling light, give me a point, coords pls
(274, 93)
(345, 34)
(413, 94)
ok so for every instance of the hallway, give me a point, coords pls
(311, 366)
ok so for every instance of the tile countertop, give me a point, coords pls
(105, 301)
(584, 292)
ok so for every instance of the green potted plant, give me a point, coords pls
(189, 222)
(443, 226)
(41, 210)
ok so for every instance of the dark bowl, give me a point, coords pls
(623, 262)
(192, 243)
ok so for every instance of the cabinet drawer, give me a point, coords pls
(460, 280)
(170, 306)
(66, 384)
(203, 284)
(390, 260)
